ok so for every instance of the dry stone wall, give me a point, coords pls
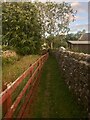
(75, 68)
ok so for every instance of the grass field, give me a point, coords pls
(10, 72)
(53, 99)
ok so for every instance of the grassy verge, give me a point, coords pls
(11, 71)
(53, 99)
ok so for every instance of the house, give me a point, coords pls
(85, 37)
(81, 45)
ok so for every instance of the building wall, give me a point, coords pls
(80, 48)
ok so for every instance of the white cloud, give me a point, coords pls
(78, 27)
(80, 6)
(75, 4)
(81, 18)
(62, 0)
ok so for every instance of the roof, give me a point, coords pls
(79, 42)
(85, 37)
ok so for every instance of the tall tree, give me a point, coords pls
(55, 17)
(21, 26)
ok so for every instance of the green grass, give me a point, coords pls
(10, 72)
(53, 99)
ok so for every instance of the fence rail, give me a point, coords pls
(25, 88)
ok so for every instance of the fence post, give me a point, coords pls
(9, 100)
(41, 62)
(31, 69)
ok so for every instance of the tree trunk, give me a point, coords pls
(51, 45)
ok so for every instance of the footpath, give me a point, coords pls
(53, 98)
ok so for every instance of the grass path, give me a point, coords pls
(53, 99)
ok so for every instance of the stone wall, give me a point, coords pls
(75, 68)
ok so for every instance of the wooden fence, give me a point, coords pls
(15, 98)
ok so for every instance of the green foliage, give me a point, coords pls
(55, 17)
(9, 60)
(23, 50)
(11, 71)
(25, 24)
(61, 40)
(4, 48)
(74, 36)
(21, 26)
(57, 41)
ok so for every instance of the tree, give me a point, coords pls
(55, 18)
(25, 24)
(21, 27)
(74, 36)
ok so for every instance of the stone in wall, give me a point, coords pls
(75, 68)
